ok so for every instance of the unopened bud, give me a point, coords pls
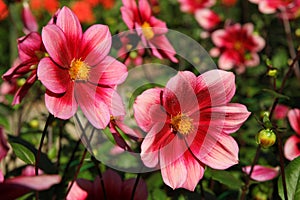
(272, 72)
(266, 138)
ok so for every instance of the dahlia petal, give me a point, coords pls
(229, 118)
(141, 191)
(262, 173)
(28, 45)
(54, 78)
(253, 62)
(145, 9)
(63, 107)
(1, 177)
(259, 41)
(218, 37)
(56, 45)
(179, 95)
(96, 43)
(207, 18)
(291, 147)
(77, 193)
(108, 72)
(294, 119)
(159, 27)
(142, 106)
(70, 25)
(29, 21)
(22, 91)
(280, 111)
(128, 17)
(162, 48)
(226, 62)
(214, 88)
(95, 103)
(195, 172)
(248, 27)
(265, 8)
(223, 155)
(112, 183)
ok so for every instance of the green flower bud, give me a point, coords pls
(272, 72)
(266, 138)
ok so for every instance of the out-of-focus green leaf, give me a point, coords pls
(292, 177)
(226, 178)
(23, 153)
(275, 94)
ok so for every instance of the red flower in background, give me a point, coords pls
(292, 145)
(84, 11)
(188, 125)
(114, 187)
(3, 10)
(191, 6)
(237, 47)
(39, 5)
(78, 71)
(151, 30)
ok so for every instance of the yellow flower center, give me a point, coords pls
(182, 124)
(79, 70)
(147, 31)
(238, 45)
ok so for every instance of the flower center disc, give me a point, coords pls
(182, 124)
(147, 31)
(79, 70)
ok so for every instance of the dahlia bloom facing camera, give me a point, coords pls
(151, 30)
(78, 70)
(188, 125)
(237, 47)
(292, 145)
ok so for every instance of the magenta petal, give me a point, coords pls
(56, 45)
(215, 87)
(1, 177)
(162, 48)
(128, 17)
(145, 9)
(64, 106)
(77, 193)
(108, 72)
(96, 43)
(112, 184)
(195, 172)
(54, 78)
(3, 145)
(29, 21)
(226, 61)
(95, 103)
(29, 45)
(142, 106)
(228, 118)
(262, 173)
(218, 37)
(223, 155)
(291, 147)
(41, 182)
(294, 119)
(141, 191)
(70, 25)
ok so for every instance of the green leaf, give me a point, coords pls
(23, 153)
(275, 94)
(292, 178)
(226, 178)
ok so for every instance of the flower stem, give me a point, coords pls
(38, 155)
(77, 171)
(135, 185)
(96, 163)
(248, 178)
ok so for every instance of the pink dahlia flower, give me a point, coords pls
(115, 188)
(188, 125)
(281, 111)
(78, 71)
(262, 173)
(31, 50)
(237, 46)
(29, 21)
(292, 145)
(207, 18)
(288, 8)
(151, 30)
(191, 6)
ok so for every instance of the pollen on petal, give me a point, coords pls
(79, 70)
(147, 31)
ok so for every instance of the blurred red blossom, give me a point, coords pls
(29, 21)
(281, 111)
(262, 173)
(237, 47)
(84, 11)
(191, 6)
(114, 188)
(3, 10)
(188, 125)
(292, 144)
(40, 5)
(151, 30)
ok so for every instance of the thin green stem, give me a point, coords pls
(248, 177)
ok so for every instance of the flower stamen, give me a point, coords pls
(79, 70)
(182, 124)
(147, 31)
